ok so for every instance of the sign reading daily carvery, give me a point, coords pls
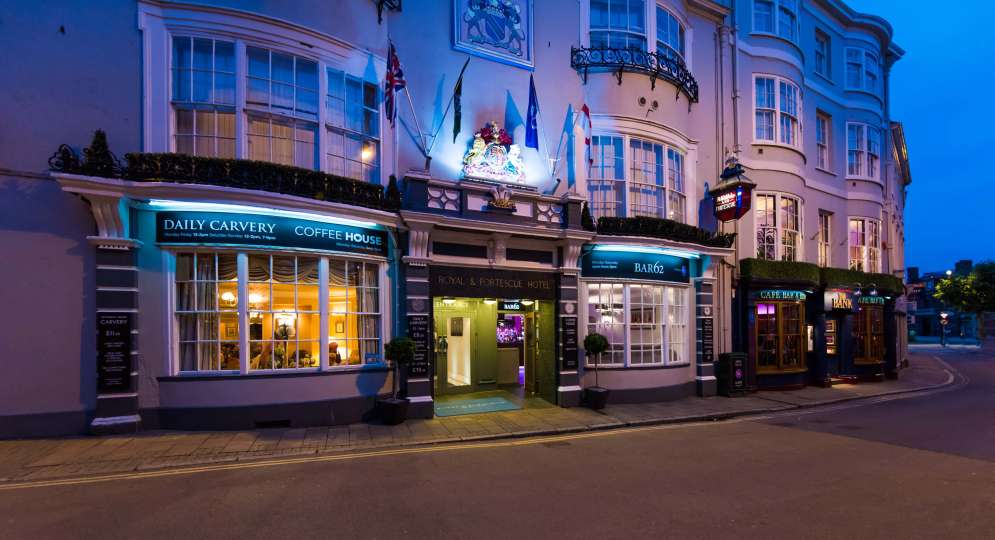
(265, 230)
(635, 265)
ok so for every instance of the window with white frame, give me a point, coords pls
(653, 187)
(863, 150)
(645, 324)
(778, 227)
(863, 70)
(776, 107)
(618, 24)
(822, 133)
(283, 328)
(825, 238)
(353, 127)
(823, 53)
(203, 96)
(865, 244)
(669, 34)
(282, 100)
(281, 108)
(776, 17)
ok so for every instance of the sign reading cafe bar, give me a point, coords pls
(265, 230)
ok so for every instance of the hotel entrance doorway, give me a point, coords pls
(504, 347)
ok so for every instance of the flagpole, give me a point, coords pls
(559, 145)
(421, 134)
(542, 130)
(449, 105)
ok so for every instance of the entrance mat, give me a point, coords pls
(459, 407)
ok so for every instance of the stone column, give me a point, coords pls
(568, 326)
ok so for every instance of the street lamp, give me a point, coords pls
(949, 273)
(944, 321)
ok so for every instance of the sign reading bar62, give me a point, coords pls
(635, 265)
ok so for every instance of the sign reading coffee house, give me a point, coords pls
(266, 230)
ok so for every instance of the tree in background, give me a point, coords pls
(971, 293)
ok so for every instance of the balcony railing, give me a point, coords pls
(657, 66)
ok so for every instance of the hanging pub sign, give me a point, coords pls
(838, 300)
(732, 201)
(630, 263)
(181, 227)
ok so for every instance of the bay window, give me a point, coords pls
(776, 107)
(865, 244)
(203, 97)
(353, 127)
(618, 24)
(863, 70)
(863, 146)
(645, 324)
(279, 320)
(669, 34)
(282, 121)
(776, 17)
(653, 187)
(778, 227)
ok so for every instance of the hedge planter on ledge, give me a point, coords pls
(235, 173)
(666, 229)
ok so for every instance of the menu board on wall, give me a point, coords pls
(113, 352)
(568, 337)
(418, 331)
(707, 340)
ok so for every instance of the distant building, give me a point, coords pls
(924, 308)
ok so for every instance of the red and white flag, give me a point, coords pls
(585, 124)
(394, 82)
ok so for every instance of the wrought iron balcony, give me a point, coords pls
(657, 66)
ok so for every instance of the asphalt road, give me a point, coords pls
(920, 467)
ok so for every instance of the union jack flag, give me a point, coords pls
(393, 83)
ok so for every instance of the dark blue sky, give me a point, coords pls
(942, 93)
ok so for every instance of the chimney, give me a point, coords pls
(912, 274)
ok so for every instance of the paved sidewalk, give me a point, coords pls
(42, 459)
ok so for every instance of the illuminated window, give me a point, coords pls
(778, 227)
(645, 324)
(206, 322)
(865, 244)
(778, 333)
(283, 308)
(353, 127)
(285, 87)
(203, 97)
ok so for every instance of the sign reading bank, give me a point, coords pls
(264, 230)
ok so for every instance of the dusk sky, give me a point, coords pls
(941, 94)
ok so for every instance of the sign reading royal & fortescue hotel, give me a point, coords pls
(488, 283)
(265, 230)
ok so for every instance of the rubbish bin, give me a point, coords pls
(730, 374)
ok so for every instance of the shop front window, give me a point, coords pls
(645, 324)
(778, 330)
(284, 311)
(207, 312)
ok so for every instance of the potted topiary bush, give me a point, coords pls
(595, 396)
(399, 352)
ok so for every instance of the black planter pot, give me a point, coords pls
(596, 397)
(392, 411)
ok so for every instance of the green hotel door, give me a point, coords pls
(545, 364)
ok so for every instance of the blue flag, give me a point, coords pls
(532, 122)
